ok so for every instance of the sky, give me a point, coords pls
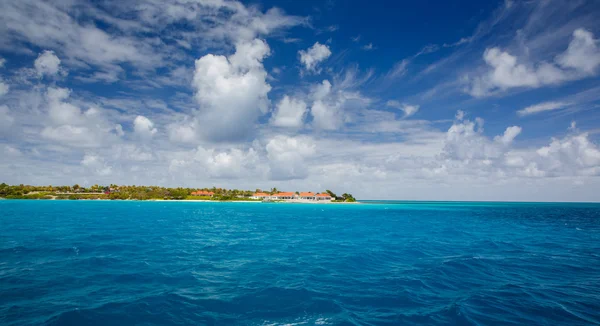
(413, 100)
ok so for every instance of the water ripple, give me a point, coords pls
(144, 263)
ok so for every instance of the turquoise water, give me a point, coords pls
(183, 263)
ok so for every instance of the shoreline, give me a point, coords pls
(192, 200)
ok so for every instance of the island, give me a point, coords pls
(133, 192)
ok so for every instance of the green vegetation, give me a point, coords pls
(116, 192)
(347, 198)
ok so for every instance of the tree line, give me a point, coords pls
(114, 191)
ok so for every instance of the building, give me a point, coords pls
(307, 196)
(284, 196)
(323, 196)
(203, 193)
(260, 195)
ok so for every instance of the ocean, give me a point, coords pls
(379, 263)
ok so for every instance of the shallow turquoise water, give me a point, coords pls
(183, 263)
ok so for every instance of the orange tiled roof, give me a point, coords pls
(307, 194)
(285, 194)
(323, 195)
(261, 194)
(202, 193)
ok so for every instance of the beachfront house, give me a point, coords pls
(323, 196)
(284, 196)
(203, 193)
(307, 196)
(260, 195)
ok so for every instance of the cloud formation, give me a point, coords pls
(231, 92)
(580, 60)
(542, 107)
(143, 127)
(289, 113)
(47, 64)
(314, 55)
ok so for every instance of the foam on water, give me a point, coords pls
(162, 263)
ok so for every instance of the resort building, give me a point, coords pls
(291, 196)
(203, 193)
(260, 195)
(307, 196)
(284, 195)
(324, 196)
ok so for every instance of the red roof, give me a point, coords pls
(202, 193)
(307, 194)
(261, 194)
(323, 195)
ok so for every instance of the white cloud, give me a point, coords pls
(290, 113)
(96, 165)
(368, 47)
(314, 55)
(6, 119)
(582, 54)
(183, 132)
(325, 116)
(2, 62)
(231, 92)
(399, 69)
(47, 64)
(287, 157)
(580, 60)
(509, 135)
(233, 163)
(131, 152)
(408, 110)
(51, 26)
(69, 125)
(542, 107)
(572, 155)
(143, 127)
(465, 142)
(333, 107)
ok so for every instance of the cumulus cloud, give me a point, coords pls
(509, 135)
(465, 141)
(333, 107)
(96, 165)
(542, 107)
(572, 155)
(47, 64)
(232, 163)
(289, 113)
(143, 127)
(231, 92)
(183, 132)
(69, 125)
(582, 54)
(314, 55)
(468, 152)
(580, 60)
(287, 157)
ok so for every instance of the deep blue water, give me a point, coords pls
(168, 263)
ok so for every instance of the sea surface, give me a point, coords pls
(379, 263)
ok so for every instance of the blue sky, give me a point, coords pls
(473, 100)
